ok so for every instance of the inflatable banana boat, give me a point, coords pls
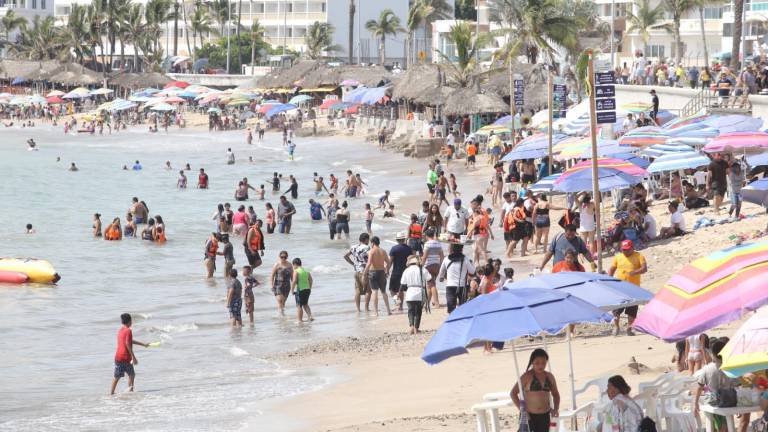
(36, 270)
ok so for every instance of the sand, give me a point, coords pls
(386, 386)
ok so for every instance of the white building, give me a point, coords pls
(286, 23)
(28, 9)
(660, 43)
(754, 28)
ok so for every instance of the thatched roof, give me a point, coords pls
(534, 76)
(468, 101)
(417, 80)
(284, 78)
(75, 74)
(369, 76)
(434, 96)
(28, 69)
(137, 80)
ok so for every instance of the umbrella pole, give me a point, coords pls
(517, 372)
(570, 366)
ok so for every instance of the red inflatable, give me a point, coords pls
(13, 277)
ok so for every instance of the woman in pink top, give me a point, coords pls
(269, 219)
(240, 221)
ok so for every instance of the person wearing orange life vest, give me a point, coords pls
(254, 244)
(211, 250)
(113, 231)
(517, 228)
(415, 231)
(480, 229)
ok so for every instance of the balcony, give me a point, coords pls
(290, 16)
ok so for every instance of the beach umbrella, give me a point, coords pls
(756, 192)
(644, 137)
(533, 147)
(55, 93)
(636, 107)
(214, 110)
(544, 185)
(659, 150)
(149, 91)
(757, 159)
(733, 123)
(239, 102)
(665, 116)
(606, 292)
(173, 100)
(747, 350)
(698, 130)
(135, 98)
(162, 107)
(102, 91)
(340, 106)
(708, 292)
(54, 100)
(352, 109)
(678, 161)
(299, 99)
(328, 103)
(741, 142)
(607, 179)
(613, 163)
(179, 84)
(581, 147)
(684, 121)
(505, 315)
(632, 158)
(277, 109)
(37, 99)
(493, 128)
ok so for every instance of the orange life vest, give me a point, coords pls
(509, 221)
(160, 236)
(112, 233)
(255, 243)
(415, 231)
(212, 249)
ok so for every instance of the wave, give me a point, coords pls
(323, 269)
(238, 352)
(171, 328)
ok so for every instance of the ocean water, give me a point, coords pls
(57, 342)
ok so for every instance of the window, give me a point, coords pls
(34, 4)
(654, 51)
(713, 13)
(727, 29)
(42, 4)
(758, 7)
(322, 7)
(289, 32)
(258, 7)
(289, 7)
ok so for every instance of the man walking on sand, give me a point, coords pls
(357, 257)
(125, 359)
(627, 266)
(378, 263)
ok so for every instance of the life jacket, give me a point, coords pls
(160, 235)
(211, 248)
(255, 243)
(482, 226)
(509, 221)
(112, 233)
(415, 231)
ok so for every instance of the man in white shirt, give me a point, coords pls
(454, 270)
(414, 283)
(455, 219)
(700, 177)
(677, 222)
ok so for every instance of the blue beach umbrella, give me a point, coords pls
(277, 109)
(545, 185)
(299, 99)
(678, 161)
(603, 291)
(18, 80)
(533, 147)
(632, 158)
(506, 315)
(608, 179)
(756, 192)
(757, 159)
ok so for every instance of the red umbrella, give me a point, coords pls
(174, 100)
(263, 108)
(179, 84)
(352, 109)
(329, 103)
(54, 100)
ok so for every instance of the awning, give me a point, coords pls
(281, 90)
(318, 90)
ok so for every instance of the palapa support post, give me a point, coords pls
(549, 128)
(512, 99)
(593, 134)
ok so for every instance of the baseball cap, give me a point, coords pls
(457, 201)
(627, 245)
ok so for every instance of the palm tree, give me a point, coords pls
(646, 19)
(387, 24)
(40, 41)
(257, 36)
(538, 26)
(462, 66)
(157, 13)
(10, 22)
(676, 9)
(432, 10)
(190, 51)
(74, 36)
(133, 28)
(94, 19)
(738, 13)
(220, 12)
(319, 38)
(700, 5)
(201, 22)
(351, 23)
(415, 17)
(116, 13)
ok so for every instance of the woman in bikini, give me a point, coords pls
(540, 392)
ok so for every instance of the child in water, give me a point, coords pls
(250, 283)
(390, 213)
(368, 218)
(291, 149)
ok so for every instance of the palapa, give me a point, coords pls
(29, 69)
(75, 74)
(534, 78)
(418, 80)
(284, 78)
(469, 101)
(140, 80)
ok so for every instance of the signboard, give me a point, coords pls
(559, 99)
(605, 93)
(519, 91)
(605, 104)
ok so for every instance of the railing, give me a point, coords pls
(702, 100)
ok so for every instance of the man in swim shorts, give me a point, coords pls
(125, 359)
(357, 257)
(378, 262)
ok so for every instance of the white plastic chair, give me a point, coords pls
(488, 411)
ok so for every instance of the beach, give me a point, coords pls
(346, 371)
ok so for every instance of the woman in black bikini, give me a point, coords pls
(538, 385)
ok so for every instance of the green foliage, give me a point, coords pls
(465, 10)
(463, 68)
(319, 38)
(240, 51)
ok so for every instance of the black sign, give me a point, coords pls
(604, 117)
(559, 100)
(605, 91)
(604, 78)
(519, 97)
(605, 104)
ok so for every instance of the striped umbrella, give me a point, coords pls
(533, 147)
(579, 180)
(644, 137)
(496, 129)
(742, 142)
(747, 351)
(659, 150)
(545, 185)
(708, 292)
(636, 107)
(678, 161)
(612, 163)
(683, 121)
(581, 147)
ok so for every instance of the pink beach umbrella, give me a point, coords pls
(740, 142)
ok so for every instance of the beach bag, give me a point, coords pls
(722, 398)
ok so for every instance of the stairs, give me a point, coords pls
(707, 101)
